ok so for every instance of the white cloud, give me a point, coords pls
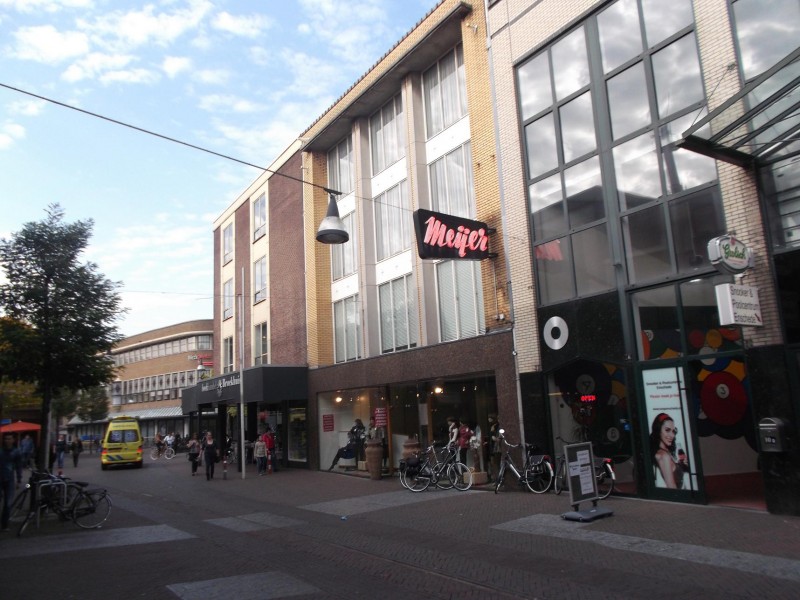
(46, 44)
(95, 64)
(27, 108)
(219, 102)
(313, 77)
(9, 133)
(130, 76)
(250, 26)
(173, 65)
(51, 6)
(212, 76)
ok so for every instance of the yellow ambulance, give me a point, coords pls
(122, 444)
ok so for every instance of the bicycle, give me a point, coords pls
(536, 472)
(231, 454)
(446, 473)
(603, 473)
(69, 500)
(165, 450)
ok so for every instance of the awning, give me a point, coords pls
(758, 126)
(19, 426)
(166, 412)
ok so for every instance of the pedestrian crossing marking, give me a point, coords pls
(257, 586)
(364, 504)
(254, 522)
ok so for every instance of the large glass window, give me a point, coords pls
(460, 299)
(346, 329)
(227, 244)
(261, 345)
(227, 299)
(766, 31)
(648, 87)
(387, 135)
(392, 221)
(451, 183)
(345, 256)
(340, 167)
(260, 279)
(399, 321)
(445, 92)
(260, 217)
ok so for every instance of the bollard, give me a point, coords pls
(269, 463)
(224, 468)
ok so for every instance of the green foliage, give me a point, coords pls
(69, 310)
(93, 404)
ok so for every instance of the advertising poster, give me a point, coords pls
(671, 452)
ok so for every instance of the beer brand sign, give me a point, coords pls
(446, 236)
(730, 255)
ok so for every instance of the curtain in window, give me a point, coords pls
(387, 316)
(448, 316)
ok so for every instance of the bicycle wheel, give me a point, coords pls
(169, 453)
(539, 477)
(91, 509)
(500, 476)
(560, 483)
(20, 506)
(420, 481)
(442, 479)
(460, 475)
(605, 483)
(154, 453)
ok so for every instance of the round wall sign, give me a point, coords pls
(555, 333)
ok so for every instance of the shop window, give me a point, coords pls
(657, 326)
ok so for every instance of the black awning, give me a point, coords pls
(759, 125)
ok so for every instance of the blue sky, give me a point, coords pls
(241, 78)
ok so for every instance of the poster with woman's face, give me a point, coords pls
(670, 450)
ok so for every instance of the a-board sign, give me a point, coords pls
(580, 471)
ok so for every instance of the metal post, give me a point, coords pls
(241, 381)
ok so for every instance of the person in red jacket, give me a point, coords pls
(269, 440)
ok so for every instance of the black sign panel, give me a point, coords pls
(445, 236)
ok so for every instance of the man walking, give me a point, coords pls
(10, 472)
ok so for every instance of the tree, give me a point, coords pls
(93, 404)
(70, 309)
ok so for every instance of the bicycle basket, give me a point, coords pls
(412, 465)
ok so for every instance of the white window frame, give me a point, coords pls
(346, 329)
(227, 355)
(460, 299)
(451, 183)
(445, 92)
(340, 166)
(260, 280)
(399, 320)
(260, 217)
(344, 257)
(227, 300)
(393, 231)
(387, 135)
(227, 244)
(261, 344)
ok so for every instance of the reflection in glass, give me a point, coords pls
(577, 127)
(584, 192)
(570, 64)
(646, 247)
(677, 73)
(540, 142)
(695, 220)
(535, 93)
(546, 207)
(554, 271)
(704, 334)
(663, 19)
(657, 327)
(636, 170)
(620, 37)
(627, 100)
(765, 35)
(594, 271)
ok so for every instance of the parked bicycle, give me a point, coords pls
(69, 500)
(444, 471)
(164, 450)
(536, 472)
(603, 473)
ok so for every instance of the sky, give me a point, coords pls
(240, 78)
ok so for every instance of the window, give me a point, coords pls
(204, 342)
(260, 354)
(392, 221)
(647, 79)
(765, 31)
(260, 279)
(227, 355)
(399, 321)
(346, 330)
(227, 244)
(340, 167)
(227, 299)
(460, 299)
(260, 217)
(387, 135)
(451, 183)
(345, 256)
(445, 92)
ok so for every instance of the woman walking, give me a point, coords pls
(194, 452)
(210, 455)
(76, 447)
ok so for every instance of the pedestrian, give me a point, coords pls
(76, 447)
(359, 433)
(464, 435)
(193, 447)
(269, 440)
(494, 448)
(376, 433)
(260, 454)
(210, 455)
(10, 472)
(27, 449)
(61, 450)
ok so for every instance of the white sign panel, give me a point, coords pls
(738, 305)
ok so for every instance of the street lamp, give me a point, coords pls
(331, 230)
